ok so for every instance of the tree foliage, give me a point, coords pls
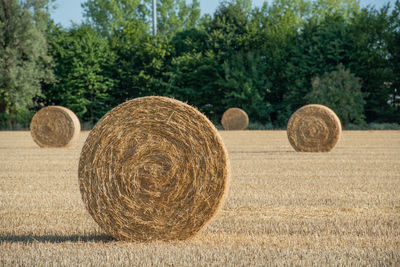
(318, 49)
(341, 91)
(246, 85)
(373, 53)
(111, 17)
(268, 61)
(393, 44)
(83, 72)
(24, 61)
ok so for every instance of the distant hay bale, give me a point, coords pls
(235, 119)
(314, 128)
(153, 168)
(55, 126)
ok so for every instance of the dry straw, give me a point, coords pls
(314, 128)
(235, 119)
(153, 168)
(55, 126)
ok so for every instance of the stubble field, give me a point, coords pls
(283, 207)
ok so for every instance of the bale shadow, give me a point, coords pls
(54, 238)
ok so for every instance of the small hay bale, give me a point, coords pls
(235, 119)
(314, 128)
(55, 126)
(153, 168)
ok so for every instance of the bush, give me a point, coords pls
(17, 121)
(260, 126)
(374, 126)
(383, 126)
(339, 90)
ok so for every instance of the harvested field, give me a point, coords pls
(283, 207)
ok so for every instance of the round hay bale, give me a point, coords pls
(55, 126)
(153, 168)
(314, 128)
(235, 119)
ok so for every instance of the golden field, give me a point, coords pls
(283, 207)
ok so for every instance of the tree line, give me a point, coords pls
(267, 60)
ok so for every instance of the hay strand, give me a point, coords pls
(153, 168)
(235, 119)
(314, 128)
(54, 126)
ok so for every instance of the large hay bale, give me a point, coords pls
(55, 126)
(235, 119)
(314, 128)
(153, 168)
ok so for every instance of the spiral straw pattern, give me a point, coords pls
(235, 119)
(55, 126)
(314, 128)
(153, 168)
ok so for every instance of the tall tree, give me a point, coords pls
(83, 68)
(246, 85)
(346, 8)
(140, 68)
(112, 16)
(176, 15)
(193, 77)
(370, 32)
(228, 29)
(141, 59)
(200, 59)
(286, 30)
(319, 48)
(24, 60)
(393, 42)
(278, 24)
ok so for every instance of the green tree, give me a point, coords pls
(202, 57)
(319, 48)
(176, 15)
(141, 60)
(341, 91)
(393, 42)
(371, 56)
(110, 17)
(139, 68)
(323, 8)
(276, 27)
(83, 69)
(299, 40)
(193, 77)
(193, 72)
(246, 85)
(24, 60)
(229, 42)
(228, 29)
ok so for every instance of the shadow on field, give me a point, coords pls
(54, 238)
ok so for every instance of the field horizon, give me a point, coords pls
(283, 207)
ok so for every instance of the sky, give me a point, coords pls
(68, 11)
